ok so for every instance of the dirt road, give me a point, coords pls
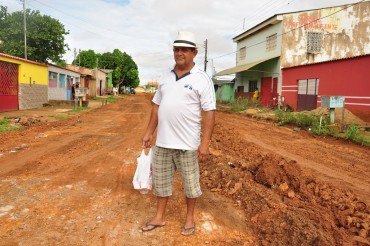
(69, 182)
(344, 165)
(74, 186)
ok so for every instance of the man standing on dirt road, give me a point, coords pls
(182, 94)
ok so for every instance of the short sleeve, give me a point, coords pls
(207, 95)
(158, 94)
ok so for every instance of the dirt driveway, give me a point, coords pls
(69, 182)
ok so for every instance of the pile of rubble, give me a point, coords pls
(284, 206)
(24, 121)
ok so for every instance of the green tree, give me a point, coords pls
(124, 68)
(129, 71)
(62, 63)
(45, 35)
(87, 58)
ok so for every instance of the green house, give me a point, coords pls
(224, 89)
(109, 78)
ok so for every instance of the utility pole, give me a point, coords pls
(79, 57)
(25, 29)
(205, 55)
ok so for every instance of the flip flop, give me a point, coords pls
(150, 227)
(188, 231)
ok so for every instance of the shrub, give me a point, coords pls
(239, 104)
(284, 118)
(305, 120)
(353, 133)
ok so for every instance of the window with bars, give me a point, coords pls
(271, 42)
(314, 42)
(252, 85)
(242, 53)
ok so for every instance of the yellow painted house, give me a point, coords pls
(23, 83)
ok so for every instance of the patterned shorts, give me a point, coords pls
(166, 162)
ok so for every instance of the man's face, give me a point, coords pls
(184, 56)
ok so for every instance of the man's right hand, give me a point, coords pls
(147, 139)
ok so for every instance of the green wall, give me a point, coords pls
(225, 92)
(109, 80)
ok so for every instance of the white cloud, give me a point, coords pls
(145, 29)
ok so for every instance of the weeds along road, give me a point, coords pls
(74, 186)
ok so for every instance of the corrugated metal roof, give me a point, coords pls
(332, 60)
(22, 59)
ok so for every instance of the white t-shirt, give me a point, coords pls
(180, 104)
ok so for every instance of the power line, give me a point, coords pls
(247, 47)
(83, 20)
(269, 12)
(257, 12)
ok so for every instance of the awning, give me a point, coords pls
(243, 67)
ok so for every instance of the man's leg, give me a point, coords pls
(188, 165)
(158, 219)
(163, 174)
(161, 209)
(190, 203)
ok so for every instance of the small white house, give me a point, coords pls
(60, 82)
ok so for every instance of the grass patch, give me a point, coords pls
(320, 125)
(6, 127)
(79, 109)
(241, 104)
(354, 134)
(110, 99)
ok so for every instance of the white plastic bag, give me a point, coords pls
(143, 175)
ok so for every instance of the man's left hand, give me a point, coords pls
(203, 152)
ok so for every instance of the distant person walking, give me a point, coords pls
(183, 93)
(256, 95)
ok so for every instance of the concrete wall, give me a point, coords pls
(33, 82)
(100, 76)
(33, 96)
(349, 78)
(57, 92)
(345, 34)
(258, 52)
(270, 68)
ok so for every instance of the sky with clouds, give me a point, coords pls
(145, 29)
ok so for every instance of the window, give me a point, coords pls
(314, 42)
(53, 79)
(252, 85)
(242, 53)
(62, 80)
(271, 42)
(240, 89)
(308, 86)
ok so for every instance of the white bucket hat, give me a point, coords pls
(185, 39)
